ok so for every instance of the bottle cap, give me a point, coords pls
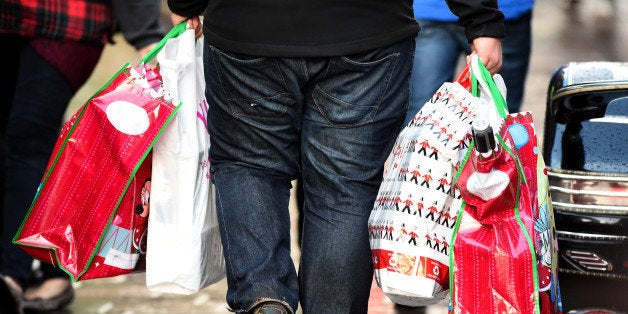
(483, 135)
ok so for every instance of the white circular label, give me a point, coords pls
(127, 117)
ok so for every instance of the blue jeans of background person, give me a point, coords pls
(34, 97)
(333, 122)
(439, 47)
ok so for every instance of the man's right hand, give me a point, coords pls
(489, 50)
(192, 22)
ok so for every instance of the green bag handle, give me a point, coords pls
(481, 75)
(174, 32)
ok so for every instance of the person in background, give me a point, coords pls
(315, 90)
(50, 49)
(442, 42)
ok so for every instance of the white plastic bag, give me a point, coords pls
(184, 253)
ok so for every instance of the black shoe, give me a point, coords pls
(10, 298)
(271, 307)
(54, 303)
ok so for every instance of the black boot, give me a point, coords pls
(271, 307)
(10, 297)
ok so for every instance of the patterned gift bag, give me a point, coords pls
(411, 223)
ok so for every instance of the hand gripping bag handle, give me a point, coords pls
(481, 75)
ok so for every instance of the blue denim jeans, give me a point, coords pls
(330, 121)
(439, 47)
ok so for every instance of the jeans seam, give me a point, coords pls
(229, 268)
(283, 77)
(218, 77)
(388, 79)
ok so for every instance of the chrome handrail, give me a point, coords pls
(595, 236)
(588, 176)
(589, 192)
(590, 209)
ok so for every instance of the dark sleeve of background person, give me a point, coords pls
(480, 18)
(138, 21)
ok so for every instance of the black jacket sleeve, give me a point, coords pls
(480, 18)
(187, 8)
(139, 21)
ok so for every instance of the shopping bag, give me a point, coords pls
(411, 222)
(89, 214)
(504, 257)
(184, 252)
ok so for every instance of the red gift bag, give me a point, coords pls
(89, 215)
(504, 249)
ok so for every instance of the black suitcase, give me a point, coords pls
(586, 152)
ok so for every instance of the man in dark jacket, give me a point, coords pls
(316, 90)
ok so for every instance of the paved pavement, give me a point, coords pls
(592, 30)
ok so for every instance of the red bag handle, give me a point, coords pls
(464, 78)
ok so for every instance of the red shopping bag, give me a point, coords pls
(504, 252)
(89, 215)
